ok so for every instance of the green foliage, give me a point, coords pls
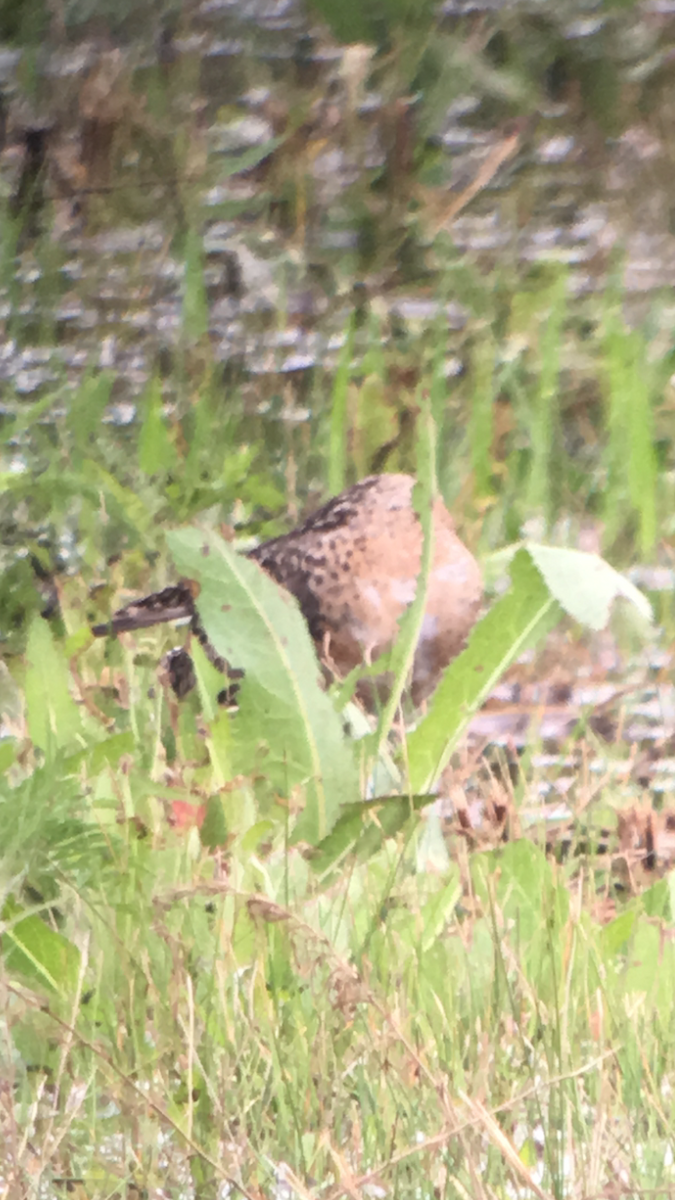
(85, 413)
(313, 973)
(631, 386)
(351, 21)
(33, 951)
(585, 585)
(355, 966)
(195, 304)
(424, 497)
(286, 725)
(545, 580)
(515, 622)
(337, 447)
(544, 417)
(481, 429)
(226, 940)
(53, 718)
(156, 454)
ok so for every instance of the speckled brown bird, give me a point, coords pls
(353, 568)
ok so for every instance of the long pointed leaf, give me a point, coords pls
(515, 622)
(286, 722)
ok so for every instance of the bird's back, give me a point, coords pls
(353, 566)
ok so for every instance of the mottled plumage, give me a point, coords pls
(353, 568)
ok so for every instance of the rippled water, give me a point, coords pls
(109, 291)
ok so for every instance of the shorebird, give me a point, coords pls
(353, 568)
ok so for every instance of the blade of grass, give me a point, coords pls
(337, 442)
(545, 411)
(424, 498)
(481, 424)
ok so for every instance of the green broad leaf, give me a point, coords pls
(219, 744)
(286, 724)
(546, 580)
(210, 681)
(37, 953)
(584, 584)
(517, 621)
(53, 716)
